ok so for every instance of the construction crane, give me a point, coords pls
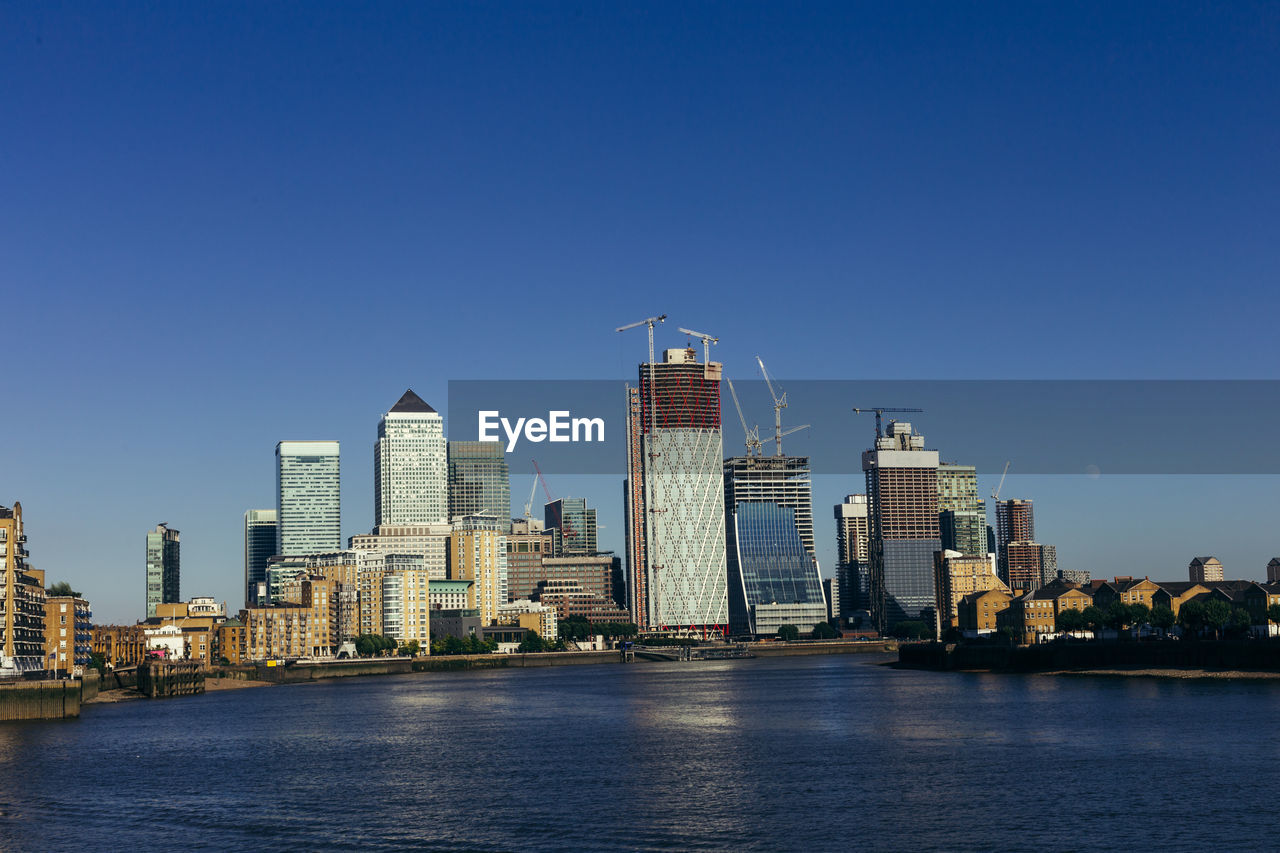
(880, 411)
(754, 448)
(995, 496)
(528, 505)
(650, 322)
(779, 403)
(707, 341)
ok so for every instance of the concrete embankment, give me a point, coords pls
(1183, 656)
(822, 647)
(46, 700)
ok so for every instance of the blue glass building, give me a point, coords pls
(773, 579)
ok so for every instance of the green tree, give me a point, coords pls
(1273, 614)
(411, 648)
(1191, 617)
(788, 632)
(98, 661)
(1241, 622)
(912, 629)
(364, 645)
(1095, 619)
(1069, 621)
(454, 645)
(575, 628)
(1162, 617)
(1117, 617)
(1217, 613)
(531, 643)
(1139, 614)
(823, 631)
(62, 588)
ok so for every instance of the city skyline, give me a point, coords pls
(852, 192)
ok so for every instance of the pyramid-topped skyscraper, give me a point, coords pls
(410, 465)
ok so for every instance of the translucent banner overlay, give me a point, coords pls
(1041, 427)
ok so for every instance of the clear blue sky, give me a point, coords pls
(222, 225)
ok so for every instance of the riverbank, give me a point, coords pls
(1184, 659)
(1185, 674)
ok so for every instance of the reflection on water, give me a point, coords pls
(774, 754)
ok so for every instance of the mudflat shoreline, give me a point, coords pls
(1184, 674)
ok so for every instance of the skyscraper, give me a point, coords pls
(308, 498)
(163, 567)
(479, 482)
(962, 516)
(902, 492)
(675, 498)
(1015, 522)
(853, 550)
(259, 548)
(572, 525)
(772, 569)
(410, 466)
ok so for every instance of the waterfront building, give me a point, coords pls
(166, 641)
(572, 527)
(22, 598)
(68, 637)
(1015, 522)
(164, 567)
(411, 466)
(480, 556)
(306, 629)
(259, 547)
(430, 541)
(233, 641)
(1205, 569)
(675, 499)
(449, 595)
(532, 616)
(902, 494)
(957, 575)
(962, 516)
(1032, 616)
(455, 623)
(286, 575)
(853, 549)
(119, 645)
(769, 545)
(594, 573)
(406, 611)
(187, 630)
(308, 498)
(479, 482)
(569, 598)
(978, 613)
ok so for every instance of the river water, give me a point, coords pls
(820, 753)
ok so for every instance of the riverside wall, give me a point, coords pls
(43, 700)
(1247, 656)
